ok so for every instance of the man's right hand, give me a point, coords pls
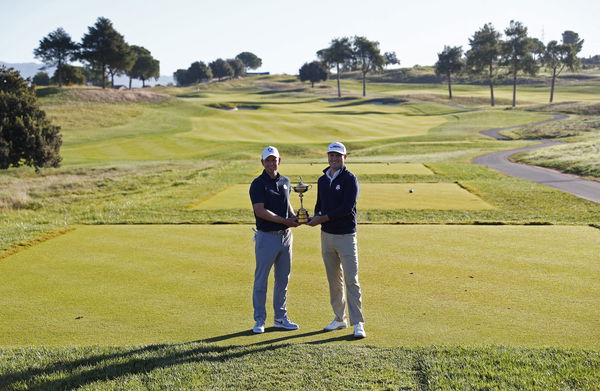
(316, 220)
(291, 222)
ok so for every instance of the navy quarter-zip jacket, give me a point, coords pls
(338, 201)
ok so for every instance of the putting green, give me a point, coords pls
(294, 170)
(423, 285)
(439, 196)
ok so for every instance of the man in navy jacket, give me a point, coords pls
(335, 210)
(274, 215)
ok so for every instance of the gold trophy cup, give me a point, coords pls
(302, 213)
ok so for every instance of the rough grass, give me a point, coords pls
(203, 366)
(581, 154)
(107, 95)
(582, 108)
(576, 126)
(580, 158)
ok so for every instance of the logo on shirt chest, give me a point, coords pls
(338, 187)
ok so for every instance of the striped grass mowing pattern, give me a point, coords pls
(422, 285)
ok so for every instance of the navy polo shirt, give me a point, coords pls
(337, 199)
(274, 193)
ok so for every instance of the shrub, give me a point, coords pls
(27, 137)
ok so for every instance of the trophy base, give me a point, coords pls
(302, 216)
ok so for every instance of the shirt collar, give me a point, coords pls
(266, 176)
(335, 174)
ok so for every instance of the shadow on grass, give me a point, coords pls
(69, 374)
(187, 96)
(47, 91)
(379, 101)
(282, 336)
(271, 102)
(72, 368)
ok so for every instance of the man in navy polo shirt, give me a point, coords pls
(335, 210)
(269, 193)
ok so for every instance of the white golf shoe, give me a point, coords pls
(285, 323)
(359, 330)
(259, 327)
(335, 325)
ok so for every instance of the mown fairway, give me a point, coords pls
(298, 122)
(423, 285)
(119, 248)
(382, 196)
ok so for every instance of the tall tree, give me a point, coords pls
(220, 68)
(121, 61)
(367, 58)
(517, 53)
(391, 58)
(558, 57)
(41, 79)
(338, 53)
(572, 38)
(144, 66)
(70, 75)
(238, 67)
(104, 48)
(449, 62)
(181, 77)
(250, 60)
(57, 49)
(484, 56)
(136, 51)
(196, 73)
(27, 137)
(314, 72)
(537, 49)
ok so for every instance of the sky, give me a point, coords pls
(286, 34)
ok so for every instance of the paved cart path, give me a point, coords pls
(573, 184)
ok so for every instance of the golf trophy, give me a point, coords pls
(302, 213)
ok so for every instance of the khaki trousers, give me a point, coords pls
(340, 256)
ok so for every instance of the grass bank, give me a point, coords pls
(580, 153)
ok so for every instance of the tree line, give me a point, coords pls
(347, 54)
(490, 59)
(199, 72)
(104, 51)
